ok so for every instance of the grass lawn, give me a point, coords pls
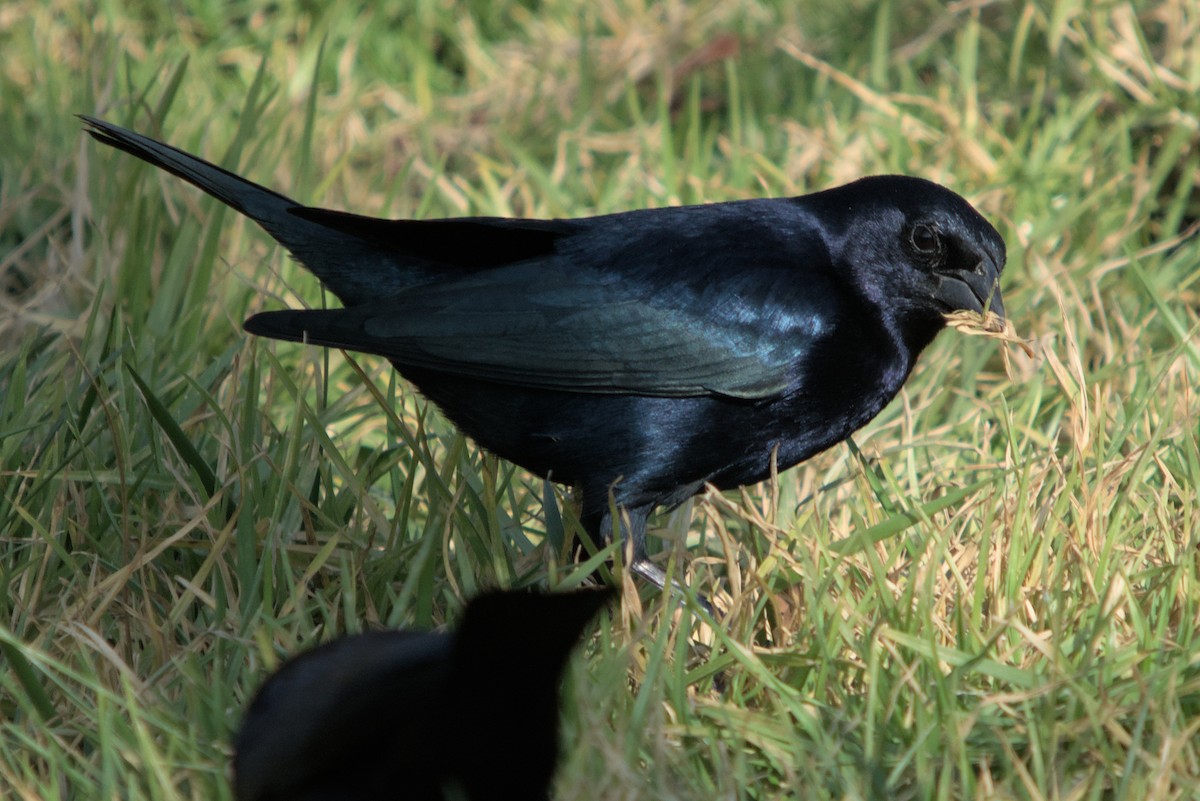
(994, 593)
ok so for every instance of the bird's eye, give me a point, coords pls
(925, 240)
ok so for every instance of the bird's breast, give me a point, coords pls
(842, 389)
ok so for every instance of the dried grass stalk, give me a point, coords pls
(989, 325)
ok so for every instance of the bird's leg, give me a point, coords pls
(632, 533)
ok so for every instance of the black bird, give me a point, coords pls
(402, 714)
(638, 356)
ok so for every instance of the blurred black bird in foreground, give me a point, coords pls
(640, 355)
(419, 716)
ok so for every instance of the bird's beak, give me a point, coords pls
(976, 290)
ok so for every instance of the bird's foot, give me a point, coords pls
(656, 575)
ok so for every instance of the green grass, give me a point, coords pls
(997, 595)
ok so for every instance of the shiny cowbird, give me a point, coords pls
(419, 716)
(642, 355)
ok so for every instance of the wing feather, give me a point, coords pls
(665, 311)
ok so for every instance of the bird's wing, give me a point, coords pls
(582, 332)
(659, 315)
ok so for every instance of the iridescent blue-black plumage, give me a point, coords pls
(644, 353)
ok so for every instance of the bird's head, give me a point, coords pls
(917, 250)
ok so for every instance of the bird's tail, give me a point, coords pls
(345, 263)
(269, 209)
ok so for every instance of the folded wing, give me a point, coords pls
(580, 331)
